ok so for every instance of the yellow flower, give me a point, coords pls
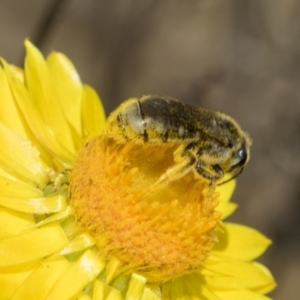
(78, 219)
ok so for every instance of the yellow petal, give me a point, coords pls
(103, 291)
(188, 287)
(11, 279)
(4, 234)
(241, 295)
(62, 215)
(40, 282)
(93, 115)
(149, 294)
(112, 268)
(80, 243)
(68, 87)
(11, 187)
(32, 245)
(16, 72)
(227, 209)
(241, 242)
(13, 222)
(225, 274)
(77, 277)
(41, 87)
(136, 287)
(37, 123)
(43, 205)
(9, 112)
(226, 190)
(269, 284)
(19, 158)
(82, 296)
(13, 74)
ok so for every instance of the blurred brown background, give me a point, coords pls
(239, 57)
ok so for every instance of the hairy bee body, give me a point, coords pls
(212, 143)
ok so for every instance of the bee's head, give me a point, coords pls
(239, 157)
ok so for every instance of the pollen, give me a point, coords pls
(162, 231)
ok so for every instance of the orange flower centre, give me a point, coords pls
(162, 231)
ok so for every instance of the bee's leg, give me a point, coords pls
(185, 165)
(204, 173)
(199, 167)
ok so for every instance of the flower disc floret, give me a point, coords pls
(161, 231)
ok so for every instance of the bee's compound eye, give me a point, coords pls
(242, 154)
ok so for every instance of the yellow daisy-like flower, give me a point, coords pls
(77, 217)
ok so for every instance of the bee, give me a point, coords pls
(210, 143)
